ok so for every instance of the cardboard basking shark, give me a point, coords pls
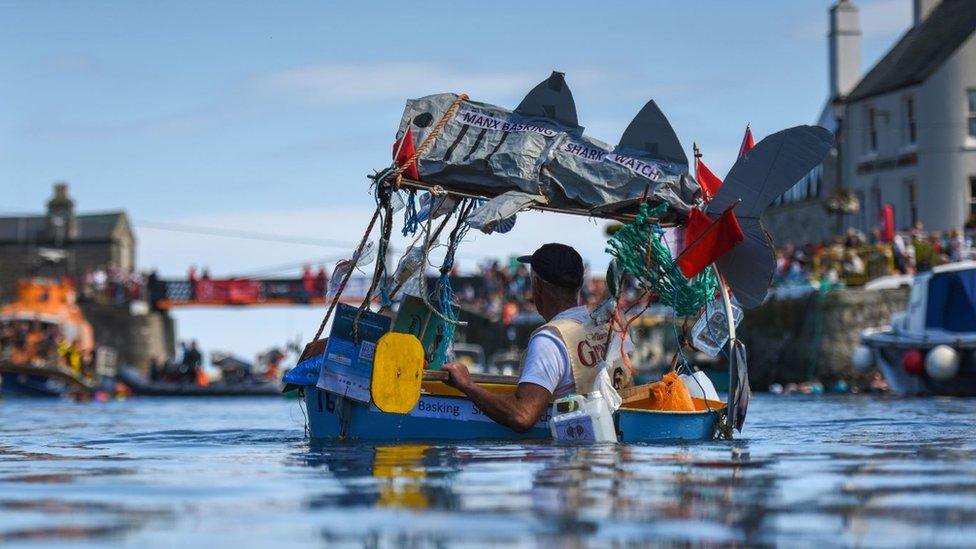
(539, 150)
(538, 154)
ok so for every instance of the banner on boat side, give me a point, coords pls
(347, 365)
(457, 409)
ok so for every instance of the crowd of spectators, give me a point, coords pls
(41, 344)
(859, 256)
(504, 292)
(112, 285)
(188, 370)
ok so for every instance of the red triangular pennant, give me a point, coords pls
(708, 181)
(747, 142)
(403, 153)
(714, 241)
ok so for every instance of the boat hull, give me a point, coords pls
(889, 348)
(41, 380)
(25, 385)
(436, 417)
(142, 387)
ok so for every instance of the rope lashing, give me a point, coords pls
(429, 140)
(447, 300)
(345, 279)
(410, 221)
(640, 248)
(383, 195)
(428, 238)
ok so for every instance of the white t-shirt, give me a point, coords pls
(547, 359)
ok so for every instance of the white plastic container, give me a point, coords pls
(711, 331)
(699, 386)
(578, 418)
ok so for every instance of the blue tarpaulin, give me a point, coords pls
(952, 301)
(305, 373)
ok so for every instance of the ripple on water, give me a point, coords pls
(808, 471)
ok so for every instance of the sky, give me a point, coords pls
(266, 117)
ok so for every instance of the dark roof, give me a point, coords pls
(921, 51)
(98, 226)
(31, 228)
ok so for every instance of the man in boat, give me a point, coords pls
(561, 357)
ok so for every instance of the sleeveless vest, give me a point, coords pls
(587, 348)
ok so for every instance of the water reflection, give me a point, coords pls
(810, 472)
(714, 493)
(887, 492)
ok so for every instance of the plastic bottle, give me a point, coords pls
(711, 331)
(578, 418)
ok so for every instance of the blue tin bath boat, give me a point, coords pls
(445, 414)
(480, 165)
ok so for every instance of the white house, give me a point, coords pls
(906, 130)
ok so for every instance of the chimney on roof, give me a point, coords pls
(844, 42)
(922, 9)
(62, 224)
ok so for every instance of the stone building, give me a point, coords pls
(62, 241)
(906, 130)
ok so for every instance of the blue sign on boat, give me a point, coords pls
(347, 365)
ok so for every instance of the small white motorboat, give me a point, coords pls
(930, 348)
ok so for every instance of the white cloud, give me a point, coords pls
(340, 84)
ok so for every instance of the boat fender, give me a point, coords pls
(863, 358)
(942, 363)
(913, 362)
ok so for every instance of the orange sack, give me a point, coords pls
(670, 395)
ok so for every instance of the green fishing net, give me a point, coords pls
(640, 249)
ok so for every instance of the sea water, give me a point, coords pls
(808, 471)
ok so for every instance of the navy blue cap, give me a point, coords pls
(557, 264)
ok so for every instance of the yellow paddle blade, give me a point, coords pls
(398, 370)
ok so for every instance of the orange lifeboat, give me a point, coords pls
(50, 302)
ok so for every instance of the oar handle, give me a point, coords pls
(440, 375)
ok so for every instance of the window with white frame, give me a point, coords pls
(911, 130)
(911, 205)
(972, 197)
(871, 125)
(972, 112)
(862, 208)
(875, 203)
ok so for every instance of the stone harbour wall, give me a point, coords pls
(793, 339)
(136, 336)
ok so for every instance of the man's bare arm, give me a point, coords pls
(519, 411)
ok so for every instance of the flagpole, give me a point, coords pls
(727, 302)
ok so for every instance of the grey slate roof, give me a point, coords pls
(97, 227)
(922, 50)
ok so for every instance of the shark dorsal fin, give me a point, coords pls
(650, 131)
(551, 99)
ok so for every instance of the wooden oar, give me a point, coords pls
(398, 373)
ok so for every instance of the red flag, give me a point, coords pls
(403, 153)
(698, 223)
(747, 142)
(716, 240)
(708, 181)
(888, 223)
